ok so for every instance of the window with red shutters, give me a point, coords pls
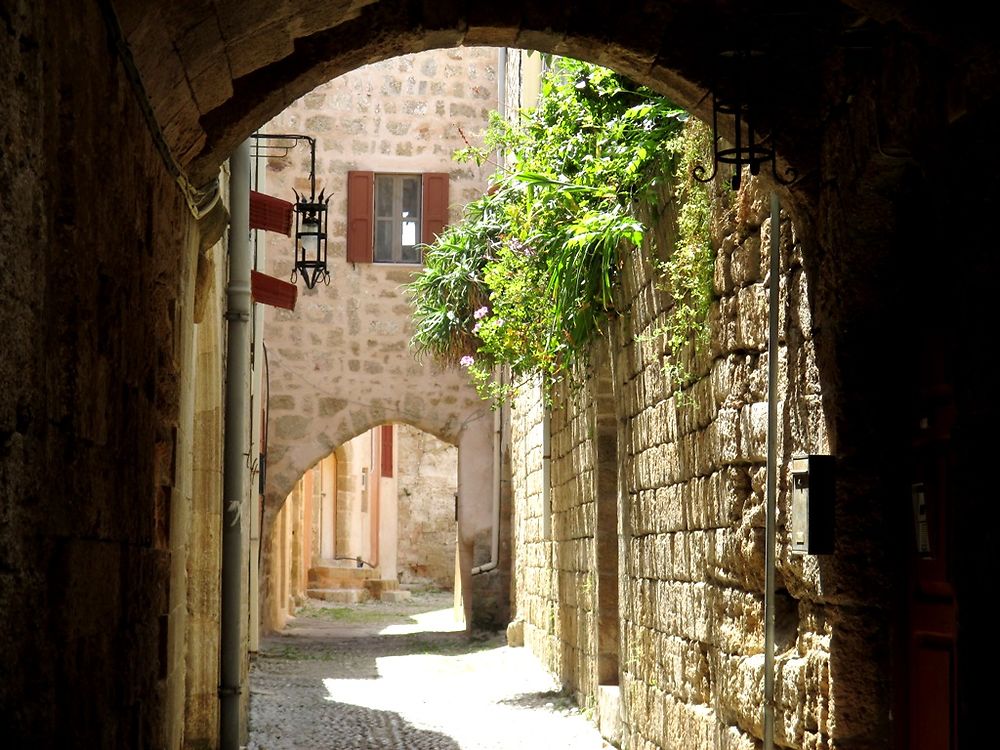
(390, 215)
(435, 212)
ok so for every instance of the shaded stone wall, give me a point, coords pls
(96, 399)
(691, 536)
(427, 480)
(201, 703)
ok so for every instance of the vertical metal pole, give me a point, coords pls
(772, 477)
(234, 482)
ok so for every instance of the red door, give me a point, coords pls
(932, 607)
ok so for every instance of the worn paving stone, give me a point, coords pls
(402, 675)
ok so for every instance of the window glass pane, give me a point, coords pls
(383, 195)
(410, 254)
(383, 240)
(411, 196)
(409, 233)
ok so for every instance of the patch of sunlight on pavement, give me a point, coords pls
(496, 699)
(435, 621)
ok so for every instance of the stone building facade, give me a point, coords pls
(340, 363)
(426, 509)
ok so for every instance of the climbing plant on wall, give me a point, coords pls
(528, 276)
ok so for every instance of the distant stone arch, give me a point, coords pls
(323, 436)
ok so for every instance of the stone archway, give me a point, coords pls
(213, 75)
(96, 134)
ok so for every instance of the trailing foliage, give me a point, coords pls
(688, 269)
(527, 277)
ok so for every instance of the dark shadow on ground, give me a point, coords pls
(352, 657)
(558, 699)
(359, 728)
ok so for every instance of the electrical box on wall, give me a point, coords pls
(812, 505)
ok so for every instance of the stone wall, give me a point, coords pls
(97, 398)
(691, 528)
(427, 481)
(340, 363)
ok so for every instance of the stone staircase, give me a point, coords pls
(350, 585)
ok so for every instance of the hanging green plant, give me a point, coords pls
(527, 277)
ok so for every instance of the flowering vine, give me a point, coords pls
(528, 276)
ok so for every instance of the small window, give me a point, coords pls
(397, 218)
(389, 216)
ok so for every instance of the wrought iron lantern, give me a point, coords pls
(310, 238)
(310, 211)
(738, 73)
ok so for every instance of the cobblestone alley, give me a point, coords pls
(402, 676)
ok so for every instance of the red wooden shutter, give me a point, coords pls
(270, 214)
(386, 450)
(271, 291)
(435, 206)
(360, 207)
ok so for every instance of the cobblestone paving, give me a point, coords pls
(402, 677)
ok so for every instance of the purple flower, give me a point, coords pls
(466, 361)
(477, 326)
(481, 313)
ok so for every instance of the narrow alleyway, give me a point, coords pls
(402, 676)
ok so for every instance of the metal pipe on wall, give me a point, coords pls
(494, 560)
(497, 416)
(770, 529)
(234, 481)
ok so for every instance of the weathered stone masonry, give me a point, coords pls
(894, 143)
(692, 473)
(97, 398)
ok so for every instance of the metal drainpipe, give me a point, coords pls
(772, 478)
(497, 416)
(234, 482)
(495, 538)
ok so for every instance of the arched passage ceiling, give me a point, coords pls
(214, 70)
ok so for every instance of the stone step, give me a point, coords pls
(379, 585)
(329, 577)
(340, 596)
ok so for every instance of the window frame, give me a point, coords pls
(433, 213)
(397, 217)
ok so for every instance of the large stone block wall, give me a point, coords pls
(692, 526)
(558, 572)
(534, 600)
(96, 396)
(427, 479)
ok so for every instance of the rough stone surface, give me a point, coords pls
(427, 479)
(690, 533)
(96, 400)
